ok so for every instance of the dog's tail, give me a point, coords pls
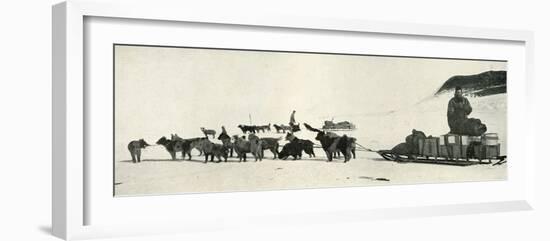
(311, 128)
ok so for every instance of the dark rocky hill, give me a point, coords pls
(483, 84)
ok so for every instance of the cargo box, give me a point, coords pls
(490, 151)
(429, 147)
(465, 142)
(476, 152)
(450, 139)
(489, 139)
(450, 146)
(450, 151)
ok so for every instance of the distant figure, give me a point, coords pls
(292, 121)
(457, 116)
(135, 149)
(226, 140)
(224, 132)
(294, 127)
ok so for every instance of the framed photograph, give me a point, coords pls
(163, 119)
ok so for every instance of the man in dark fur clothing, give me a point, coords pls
(457, 116)
(226, 140)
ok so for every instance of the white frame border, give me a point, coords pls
(68, 95)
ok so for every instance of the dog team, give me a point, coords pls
(332, 144)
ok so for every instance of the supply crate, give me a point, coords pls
(429, 147)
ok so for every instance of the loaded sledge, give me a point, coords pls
(330, 125)
(449, 149)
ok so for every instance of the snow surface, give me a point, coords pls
(158, 174)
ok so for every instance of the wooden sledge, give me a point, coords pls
(452, 149)
(388, 155)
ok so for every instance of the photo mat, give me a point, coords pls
(388, 110)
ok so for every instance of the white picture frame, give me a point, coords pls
(70, 211)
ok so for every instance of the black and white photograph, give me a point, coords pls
(198, 120)
(275, 120)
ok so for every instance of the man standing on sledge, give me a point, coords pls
(293, 125)
(292, 118)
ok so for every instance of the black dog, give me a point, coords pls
(295, 128)
(279, 128)
(331, 144)
(245, 128)
(175, 146)
(285, 128)
(295, 147)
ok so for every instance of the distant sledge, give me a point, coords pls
(330, 125)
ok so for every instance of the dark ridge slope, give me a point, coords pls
(483, 84)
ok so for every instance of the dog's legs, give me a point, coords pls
(329, 156)
(347, 155)
(173, 154)
(217, 157)
(133, 156)
(138, 155)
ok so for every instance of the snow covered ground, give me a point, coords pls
(158, 174)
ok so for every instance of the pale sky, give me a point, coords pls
(200, 87)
